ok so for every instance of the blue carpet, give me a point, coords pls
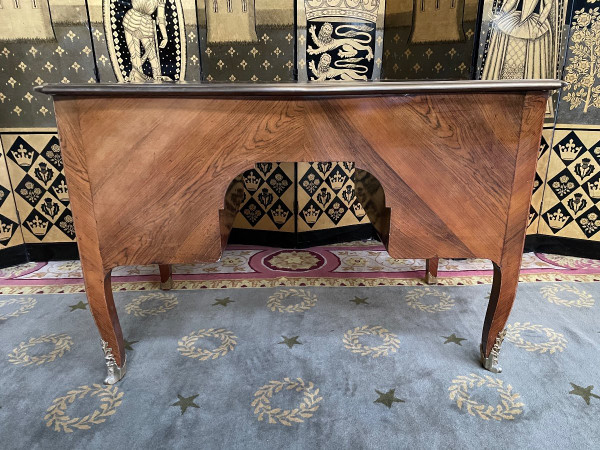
(315, 367)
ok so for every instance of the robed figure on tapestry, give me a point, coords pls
(521, 43)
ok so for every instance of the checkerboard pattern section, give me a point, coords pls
(327, 196)
(538, 183)
(35, 168)
(268, 198)
(571, 200)
(10, 230)
(324, 191)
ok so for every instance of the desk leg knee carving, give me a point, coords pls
(166, 277)
(431, 268)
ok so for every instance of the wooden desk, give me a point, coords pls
(148, 167)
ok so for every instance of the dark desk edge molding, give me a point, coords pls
(297, 89)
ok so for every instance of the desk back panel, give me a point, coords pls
(158, 167)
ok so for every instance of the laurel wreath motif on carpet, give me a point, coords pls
(187, 348)
(556, 341)
(62, 344)
(413, 299)
(275, 302)
(110, 399)
(169, 301)
(306, 409)
(550, 293)
(390, 341)
(26, 305)
(507, 409)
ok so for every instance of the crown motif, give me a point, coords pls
(23, 157)
(557, 220)
(594, 189)
(252, 182)
(359, 211)
(279, 215)
(311, 215)
(569, 151)
(337, 181)
(5, 231)
(61, 191)
(38, 227)
(363, 9)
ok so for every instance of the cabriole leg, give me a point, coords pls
(102, 306)
(503, 293)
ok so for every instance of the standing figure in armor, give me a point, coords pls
(140, 29)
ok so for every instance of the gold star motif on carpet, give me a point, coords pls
(186, 402)
(360, 301)
(453, 338)
(388, 399)
(585, 393)
(222, 301)
(79, 305)
(290, 342)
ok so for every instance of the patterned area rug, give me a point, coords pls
(363, 263)
(341, 347)
(302, 368)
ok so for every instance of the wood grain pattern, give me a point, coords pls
(148, 175)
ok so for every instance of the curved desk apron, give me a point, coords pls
(148, 166)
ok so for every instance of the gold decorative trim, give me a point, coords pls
(571, 126)
(293, 282)
(114, 373)
(50, 130)
(490, 362)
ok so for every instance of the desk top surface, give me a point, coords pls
(296, 89)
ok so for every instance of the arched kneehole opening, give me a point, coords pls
(299, 205)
